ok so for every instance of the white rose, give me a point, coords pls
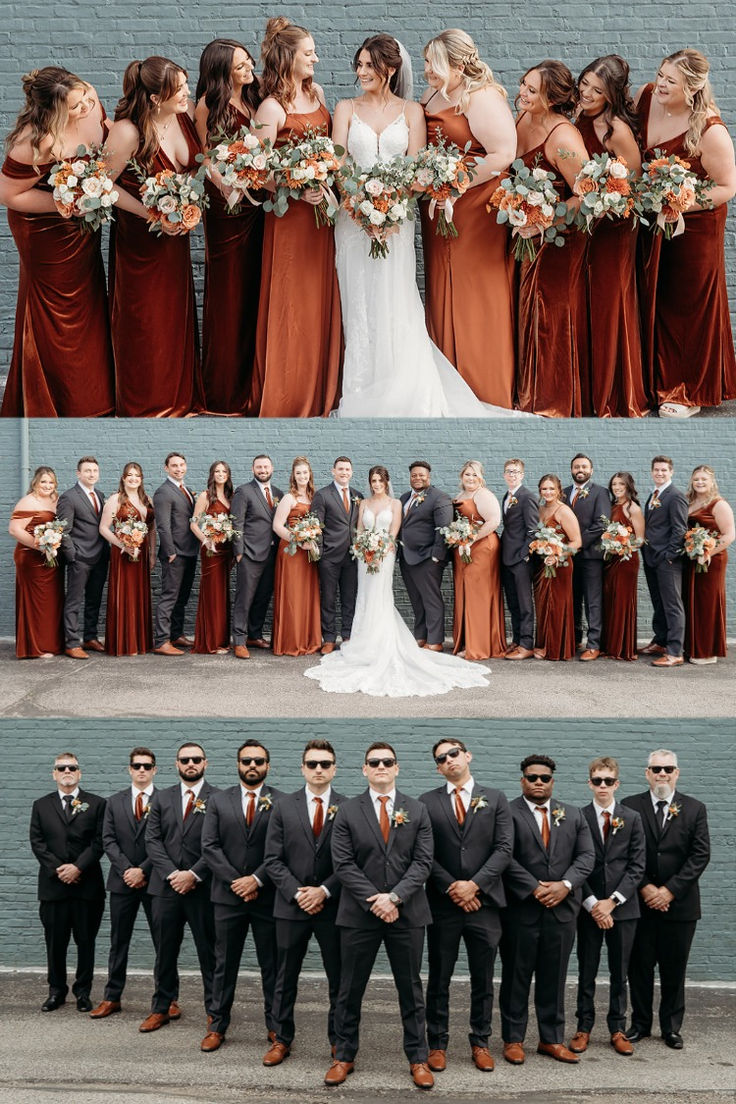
(424, 178)
(397, 212)
(618, 171)
(539, 173)
(373, 187)
(108, 200)
(71, 182)
(166, 204)
(535, 199)
(547, 210)
(260, 161)
(79, 167)
(107, 184)
(222, 151)
(366, 208)
(251, 141)
(92, 186)
(517, 217)
(377, 218)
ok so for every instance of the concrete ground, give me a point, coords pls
(65, 1056)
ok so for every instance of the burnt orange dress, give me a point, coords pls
(128, 623)
(704, 594)
(232, 280)
(555, 631)
(552, 323)
(689, 353)
(478, 623)
(154, 315)
(469, 280)
(615, 360)
(297, 629)
(39, 596)
(620, 578)
(62, 363)
(212, 625)
(299, 331)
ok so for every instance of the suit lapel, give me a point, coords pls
(446, 803)
(670, 818)
(236, 801)
(302, 809)
(534, 827)
(56, 802)
(366, 804)
(592, 818)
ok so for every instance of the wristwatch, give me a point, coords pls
(615, 900)
(394, 898)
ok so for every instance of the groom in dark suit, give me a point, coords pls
(253, 507)
(336, 506)
(86, 554)
(423, 554)
(591, 504)
(520, 509)
(173, 506)
(665, 524)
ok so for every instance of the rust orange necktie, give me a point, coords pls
(459, 807)
(190, 804)
(319, 817)
(545, 826)
(250, 812)
(383, 819)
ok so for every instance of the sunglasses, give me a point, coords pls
(196, 759)
(259, 760)
(141, 766)
(603, 781)
(662, 770)
(374, 763)
(61, 767)
(538, 777)
(312, 764)
(451, 754)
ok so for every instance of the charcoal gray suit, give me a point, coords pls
(422, 559)
(173, 509)
(520, 522)
(587, 566)
(86, 554)
(664, 531)
(257, 545)
(337, 568)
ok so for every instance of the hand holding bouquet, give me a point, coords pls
(243, 164)
(459, 536)
(551, 546)
(667, 189)
(47, 538)
(700, 544)
(131, 532)
(379, 200)
(174, 201)
(305, 532)
(605, 190)
(442, 173)
(301, 164)
(618, 541)
(83, 190)
(217, 529)
(371, 546)
(527, 200)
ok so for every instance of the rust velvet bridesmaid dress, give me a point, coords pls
(212, 625)
(555, 632)
(620, 579)
(704, 594)
(62, 364)
(469, 280)
(299, 332)
(478, 623)
(128, 622)
(296, 620)
(154, 316)
(39, 596)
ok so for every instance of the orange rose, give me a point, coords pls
(583, 186)
(190, 216)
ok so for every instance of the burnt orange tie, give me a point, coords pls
(95, 501)
(545, 826)
(383, 819)
(346, 501)
(184, 491)
(269, 497)
(319, 817)
(139, 807)
(459, 807)
(190, 804)
(606, 824)
(654, 500)
(250, 812)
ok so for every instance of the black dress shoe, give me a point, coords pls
(673, 1039)
(634, 1035)
(52, 1002)
(84, 1004)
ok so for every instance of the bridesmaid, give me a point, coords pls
(212, 626)
(553, 597)
(552, 327)
(299, 335)
(687, 332)
(39, 589)
(620, 577)
(478, 626)
(607, 122)
(296, 618)
(62, 357)
(704, 592)
(128, 624)
(154, 317)
(469, 278)
(228, 94)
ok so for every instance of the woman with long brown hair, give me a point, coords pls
(39, 587)
(296, 617)
(704, 592)
(128, 622)
(620, 577)
(553, 604)
(212, 625)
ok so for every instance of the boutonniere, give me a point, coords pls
(584, 492)
(146, 810)
(512, 501)
(332, 811)
(478, 802)
(419, 499)
(399, 817)
(199, 806)
(82, 806)
(654, 504)
(265, 803)
(276, 500)
(616, 823)
(354, 500)
(673, 811)
(558, 815)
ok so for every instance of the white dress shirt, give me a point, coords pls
(311, 804)
(377, 804)
(147, 795)
(62, 794)
(510, 493)
(592, 899)
(466, 792)
(186, 790)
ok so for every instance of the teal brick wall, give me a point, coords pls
(98, 40)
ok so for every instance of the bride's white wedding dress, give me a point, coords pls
(382, 657)
(391, 367)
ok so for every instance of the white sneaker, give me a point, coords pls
(703, 662)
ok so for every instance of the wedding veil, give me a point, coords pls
(405, 83)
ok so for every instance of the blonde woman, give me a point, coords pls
(478, 626)
(704, 592)
(39, 588)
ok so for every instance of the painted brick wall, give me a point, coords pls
(98, 40)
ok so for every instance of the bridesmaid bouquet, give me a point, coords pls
(243, 164)
(305, 532)
(699, 546)
(442, 173)
(551, 547)
(618, 541)
(47, 538)
(605, 190)
(172, 199)
(528, 200)
(217, 529)
(667, 189)
(131, 532)
(301, 163)
(459, 535)
(371, 546)
(83, 190)
(379, 199)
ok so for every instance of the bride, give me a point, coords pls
(391, 368)
(382, 658)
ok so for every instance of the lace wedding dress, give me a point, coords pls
(382, 658)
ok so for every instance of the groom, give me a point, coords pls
(423, 553)
(336, 506)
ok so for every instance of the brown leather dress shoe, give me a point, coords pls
(183, 642)
(76, 653)
(482, 1059)
(621, 1044)
(271, 1036)
(174, 1011)
(579, 1042)
(154, 1022)
(420, 1071)
(421, 643)
(213, 1040)
(338, 1072)
(276, 1054)
(258, 642)
(327, 647)
(514, 1053)
(437, 1060)
(168, 649)
(105, 1008)
(241, 652)
(93, 646)
(519, 653)
(667, 661)
(652, 649)
(590, 654)
(435, 648)
(558, 1051)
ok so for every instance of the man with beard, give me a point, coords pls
(86, 555)
(254, 548)
(423, 554)
(233, 844)
(336, 506)
(591, 505)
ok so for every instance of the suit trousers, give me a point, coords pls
(666, 945)
(337, 575)
(665, 589)
(176, 586)
(253, 590)
(72, 918)
(587, 596)
(231, 929)
(168, 916)
(619, 941)
(538, 946)
(358, 950)
(519, 593)
(480, 931)
(292, 940)
(84, 584)
(124, 908)
(423, 582)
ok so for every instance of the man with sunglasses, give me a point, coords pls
(299, 863)
(473, 841)
(677, 853)
(382, 854)
(233, 845)
(179, 881)
(553, 855)
(66, 838)
(610, 904)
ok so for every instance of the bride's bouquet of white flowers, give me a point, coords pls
(371, 546)
(379, 199)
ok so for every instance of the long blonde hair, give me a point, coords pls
(694, 68)
(454, 47)
(714, 493)
(278, 50)
(45, 113)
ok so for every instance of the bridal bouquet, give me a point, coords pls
(550, 545)
(371, 546)
(173, 199)
(305, 532)
(605, 190)
(667, 188)
(131, 532)
(528, 200)
(301, 163)
(243, 164)
(47, 538)
(83, 190)
(618, 541)
(379, 199)
(217, 529)
(442, 173)
(459, 535)
(699, 546)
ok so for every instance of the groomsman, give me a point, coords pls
(336, 506)
(253, 507)
(66, 838)
(677, 853)
(590, 503)
(233, 845)
(553, 855)
(86, 555)
(173, 506)
(473, 842)
(423, 554)
(299, 863)
(520, 510)
(179, 881)
(382, 854)
(665, 524)
(610, 904)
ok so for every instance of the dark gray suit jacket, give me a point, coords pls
(420, 539)
(294, 858)
(254, 520)
(124, 840)
(519, 525)
(173, 512)
(339, 525)
(232, 850)
(619, 863)
(665, 527)
(589, 511)
(81, 540)
(175, 844)
(56, 840)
